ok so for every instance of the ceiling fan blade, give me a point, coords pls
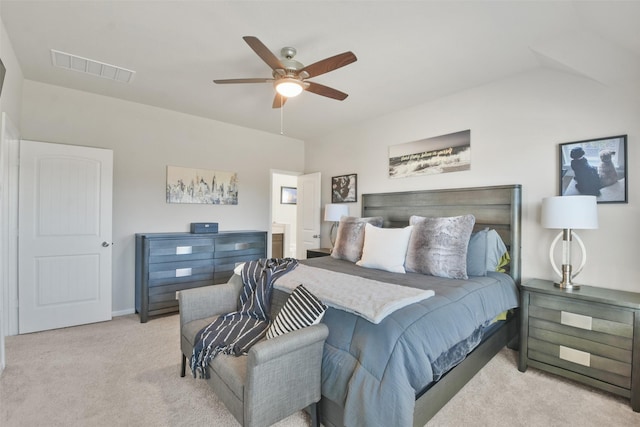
(323, 90)
(330, 64)
(257, 80)
(263, 52)
(279, 100)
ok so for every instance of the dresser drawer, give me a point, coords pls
(170, 250)
(180, 271)
(248, 246)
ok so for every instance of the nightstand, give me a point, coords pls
(590, 335)
(317, 253)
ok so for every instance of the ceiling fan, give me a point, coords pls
(290, 76)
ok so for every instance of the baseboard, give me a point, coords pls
(123, 312)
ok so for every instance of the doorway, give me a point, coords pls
(283, 214)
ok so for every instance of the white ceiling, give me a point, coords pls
(409, 52)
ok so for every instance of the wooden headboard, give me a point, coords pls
(497, 207)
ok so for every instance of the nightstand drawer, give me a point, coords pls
(584, 363)
(606, 339)
(597, 312)
(581, 345)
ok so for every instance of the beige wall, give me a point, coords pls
(11, 97)
(145, 140)
(516, 126)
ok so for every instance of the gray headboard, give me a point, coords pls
(497, 207)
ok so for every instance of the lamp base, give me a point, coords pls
(331, 237)
(566, 282)
(567, 286)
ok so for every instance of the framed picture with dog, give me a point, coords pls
(595, 167)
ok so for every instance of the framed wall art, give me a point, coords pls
(440, 154)
(188, 185)
(344, 188)
(288, 195)
(2, 73)
(595, 167)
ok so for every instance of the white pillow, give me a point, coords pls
(385, 248)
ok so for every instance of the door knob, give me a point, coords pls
(316, 236)
(106, 244)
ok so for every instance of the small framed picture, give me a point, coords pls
(288, 195)
(344, 188)
(595, 167)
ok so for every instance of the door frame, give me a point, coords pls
(316, 204)
(9, 224)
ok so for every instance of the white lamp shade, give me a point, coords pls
(575, 212)
(334, 211)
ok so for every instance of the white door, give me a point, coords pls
(308, 209)
(64, 235)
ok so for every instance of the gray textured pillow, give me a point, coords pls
(350, 237)
(438, 246)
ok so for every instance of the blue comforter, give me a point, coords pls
(375, 371)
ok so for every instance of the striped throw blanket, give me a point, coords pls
(234, 333)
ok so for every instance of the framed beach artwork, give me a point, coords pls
(595, 167)
(344, 188)
(188, 185)
(440, 154)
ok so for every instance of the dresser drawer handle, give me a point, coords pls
(576, 320)
(240, 246)
(575, 356)
(184, 250)
(183, 272)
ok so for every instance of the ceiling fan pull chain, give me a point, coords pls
(281, 115)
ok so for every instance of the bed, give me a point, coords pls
(356, 391)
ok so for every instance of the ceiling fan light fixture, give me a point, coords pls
(289, 87)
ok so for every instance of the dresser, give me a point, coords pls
(590, 335)
(169, 262)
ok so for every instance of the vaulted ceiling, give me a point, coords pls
(409, 52)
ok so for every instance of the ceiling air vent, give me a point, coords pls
(89, 66)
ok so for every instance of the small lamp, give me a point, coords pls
(333, 212)
(568, 213)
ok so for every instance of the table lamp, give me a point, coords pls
(569, 213)
(333, 212)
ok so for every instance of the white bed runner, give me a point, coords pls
(369, 299)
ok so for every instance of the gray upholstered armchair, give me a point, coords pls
(277, 377)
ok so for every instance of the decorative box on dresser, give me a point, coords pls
(590, 335)
(169, 262)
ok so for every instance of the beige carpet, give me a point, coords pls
(124, 373)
